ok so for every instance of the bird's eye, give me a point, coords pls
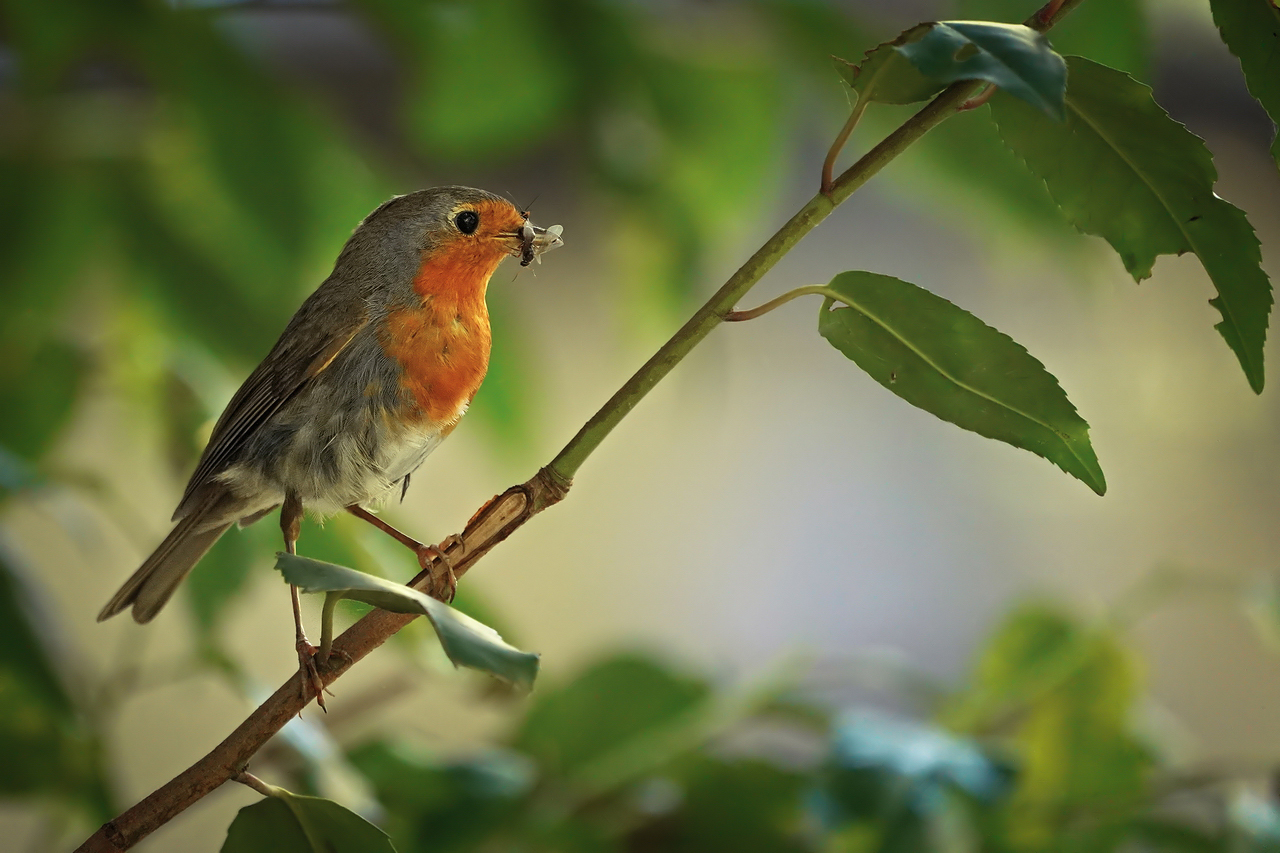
(467, 221)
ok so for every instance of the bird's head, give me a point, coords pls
(445, 238)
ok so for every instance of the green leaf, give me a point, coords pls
(48, 748)
(1113, 33)
(810, 31)
(881, 766)
(508, 402)
(446, 804)
(289, 823)
(608, 705)
(1121, 169)
(1065, 694)
(36, 409)
(246, 123)
(1261, 602)
(1016, 58)
(505, 105)
(466, 641)
(944, 360)
(886, 76)
(222, 574)
(743, 805)
(1251, 29)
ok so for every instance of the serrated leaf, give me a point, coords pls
(1122, 169)
(946, 361)
(1251, 30)
(297, 824)
(886, 76)
(467, 642)
(1114, 33)
(1016, 58)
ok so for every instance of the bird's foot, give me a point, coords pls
(310, 673)
(443, 587)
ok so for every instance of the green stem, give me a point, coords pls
(331, 600)
(829, 165)
(807, 290)
(711, 314)
(244, 777)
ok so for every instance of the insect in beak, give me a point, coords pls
(534, 241)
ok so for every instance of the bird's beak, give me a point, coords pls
(531, 241)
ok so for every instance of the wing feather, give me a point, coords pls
(312, 340)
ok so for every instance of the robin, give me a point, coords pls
(371, 374)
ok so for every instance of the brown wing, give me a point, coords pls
(312, 340)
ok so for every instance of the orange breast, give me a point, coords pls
(443, 344)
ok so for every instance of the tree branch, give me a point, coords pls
(502, 515)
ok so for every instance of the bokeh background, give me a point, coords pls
(176, 177)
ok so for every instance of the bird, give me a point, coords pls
(372, 373)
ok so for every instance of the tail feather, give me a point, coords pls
(151, 586)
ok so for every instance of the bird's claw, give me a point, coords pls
(428, 555)
(310, 673)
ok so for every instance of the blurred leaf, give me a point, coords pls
(689, 147)
(466, 641)
(222, 574)
(441, 804)
(48, 748)
(460, 108)
(946, 361)
(36, 411)
(1251, 29)
(1064, 694)
(813, 30)
(569, 726)
(191, 290)
(1255, 824)
(1261, 602)
(1113, 33)
(964, 171)
(880, 767)
(508, 400)
(244, 122)
(1035, 649)
(48, 235)
(16, 474)
(289, 822)
(887, 76)
(1016, 58)
(1122, 169)
(747, 806)
(1169, 836)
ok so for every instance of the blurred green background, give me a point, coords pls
(780, 610)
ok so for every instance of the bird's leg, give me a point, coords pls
(291, 526)
(426, 554)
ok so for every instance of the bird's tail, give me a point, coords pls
(154, 582)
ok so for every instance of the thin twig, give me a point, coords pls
(807, 290)
(980, 98)
(829, 165)
(244, 777)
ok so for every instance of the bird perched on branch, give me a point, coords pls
(371, 374)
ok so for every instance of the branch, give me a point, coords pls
(502, 515)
